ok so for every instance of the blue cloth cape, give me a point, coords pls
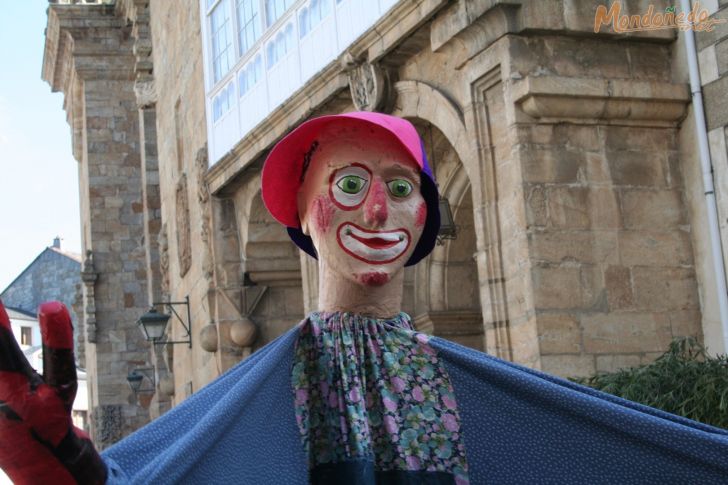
(520, 426)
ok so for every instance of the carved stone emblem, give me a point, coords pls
(369, 86)
(146, 92)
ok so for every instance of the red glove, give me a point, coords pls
(38, 442)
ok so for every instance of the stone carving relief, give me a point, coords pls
(164, 260)
(370, 87)
(108, 424)
(203, 198)
(146, 93)
(88, 276)
(184, 248)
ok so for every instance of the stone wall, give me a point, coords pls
(182, 162)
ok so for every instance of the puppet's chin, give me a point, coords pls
(373, 278)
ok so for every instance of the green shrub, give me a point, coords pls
(685, 380)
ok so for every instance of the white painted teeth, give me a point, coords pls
(349, 237)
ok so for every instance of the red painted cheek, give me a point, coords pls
(374, 278)
(323, 213)
(421, 215)
(375, 208)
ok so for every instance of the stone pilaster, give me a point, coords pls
(89, 58)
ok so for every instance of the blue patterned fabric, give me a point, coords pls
(519, 426)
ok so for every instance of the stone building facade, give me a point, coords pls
(53, 275)
(567, 156)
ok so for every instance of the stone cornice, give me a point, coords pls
(466, 28)
(376, 42)
(84, 42)
(615, 101)
(73, 30)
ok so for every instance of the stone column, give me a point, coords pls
(88, 56)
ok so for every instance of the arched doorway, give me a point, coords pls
(442, 292)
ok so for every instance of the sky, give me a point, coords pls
(39, 176)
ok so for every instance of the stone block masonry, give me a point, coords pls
(89, 58)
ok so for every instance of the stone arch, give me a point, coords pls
(443, 291)
(417, 100)
(272, 261)
(430, 291)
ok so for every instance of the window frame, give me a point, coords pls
(26, 335)
(231, 24)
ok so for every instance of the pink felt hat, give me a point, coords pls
(288, 161)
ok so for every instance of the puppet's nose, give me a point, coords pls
(375, 207)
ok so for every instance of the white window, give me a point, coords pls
(274, 9)
(221, 30)
(222, 102)
(250, 24)
(250, 75)
(278, 47)
(312, 15)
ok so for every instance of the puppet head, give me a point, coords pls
(355, 189)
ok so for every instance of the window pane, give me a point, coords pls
(222, 42)
(303, 27)
(26, 336)
(249, 24)
(274, 9)
(269, 54)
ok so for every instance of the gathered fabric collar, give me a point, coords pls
(329, 319)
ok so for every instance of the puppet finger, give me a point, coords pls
(11, 357)
(59, 365)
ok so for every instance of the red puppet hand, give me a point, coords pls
(38, 442)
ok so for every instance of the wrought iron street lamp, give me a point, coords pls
(136, 377)
(448, 229)
(154, 323)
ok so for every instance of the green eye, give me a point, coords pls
(400, 187)
(351, 184)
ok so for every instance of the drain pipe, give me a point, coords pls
(707, 169)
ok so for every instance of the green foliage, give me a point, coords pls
(684, 381)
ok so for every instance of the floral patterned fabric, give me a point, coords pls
(375, 390)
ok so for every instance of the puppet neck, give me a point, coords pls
(338, 293)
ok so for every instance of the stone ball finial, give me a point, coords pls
(243, 332)
(208, 338)
(166, 385)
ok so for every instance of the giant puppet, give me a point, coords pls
(353, 394)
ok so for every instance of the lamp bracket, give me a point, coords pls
(170, 305)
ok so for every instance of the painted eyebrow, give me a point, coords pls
(396, 169)
(400, 169)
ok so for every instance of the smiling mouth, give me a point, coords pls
(375, 242)
(375, 247)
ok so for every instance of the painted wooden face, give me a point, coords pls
(361, 204)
